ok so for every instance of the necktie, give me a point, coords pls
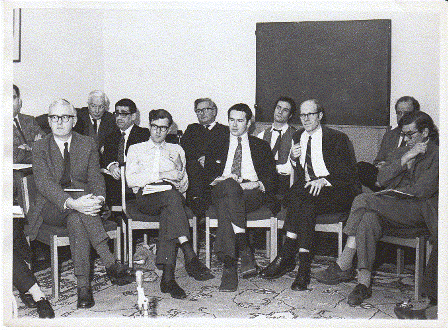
(277, 143)
(95, 126)
(65, 179)
(308, 163)
(237, 158)
(20, 130)
(121, 149)
(402, 143)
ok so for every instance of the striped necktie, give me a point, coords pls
(237, 159)
(308, 163)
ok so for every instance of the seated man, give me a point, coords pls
(391, 140)
(70, 194)
(325, 182)
(195, 142)
(157, 162)
(279, 135)
(117, 145)
(241, 172)
(413, 170)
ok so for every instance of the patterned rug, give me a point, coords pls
(256, 298)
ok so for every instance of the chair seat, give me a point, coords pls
(406, 232)
(262, 213)
(323, 219)
(136, 215)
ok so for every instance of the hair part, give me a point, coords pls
(241, 107)
(160, 114)
(408, 99)
(127, 103)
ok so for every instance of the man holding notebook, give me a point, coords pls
(413, 171)
(155, 170)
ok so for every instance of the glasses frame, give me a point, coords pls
(409, 135)
(162, 129)
(307, 115)
(122, 114)
(203, 110)
(63, 118)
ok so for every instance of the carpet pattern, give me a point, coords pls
(256, 298)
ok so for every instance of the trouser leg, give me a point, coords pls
(23, 278)
(79, 244)
(368, 234)
(430, 277)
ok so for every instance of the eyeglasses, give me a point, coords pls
(307, 115)
(64, 118)
(161, 128)
(409, 135)
(122, 114)
(97, 106)
(202, 110)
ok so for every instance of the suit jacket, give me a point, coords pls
(388, 144)
(30, 129)
(48, 167)
(107, 127)
(285, 143)
(263, 161)
(338, 157)
(138, 134)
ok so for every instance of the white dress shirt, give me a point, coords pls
(98, 121)
(61, 143)
(247, 166)
(126, 138)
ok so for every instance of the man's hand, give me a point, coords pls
(316, 186)
(25, 147)
(250, 185)
(87, 204)
(419, 148)
(295, 151)
(115, 171)
(201, 160)
(380, 164)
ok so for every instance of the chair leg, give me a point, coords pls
(400, 260)
(125, 240)
(419, 264)
(195, 234)
(268, 243)
(117, 242)
(54, 266)
(207, 242)
(130, 246)
(274, 237)
(340, 237)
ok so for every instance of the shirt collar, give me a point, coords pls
(283, 129)
(91, 119)
(60, 142)
(210, 126)
(128, 130)
(152, 145)
(244, 137)
(317, 133)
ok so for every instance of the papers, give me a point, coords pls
(394, 193)
(21, 166)
(153, 188)
(217, 180)
(73, 189)
(17, 211)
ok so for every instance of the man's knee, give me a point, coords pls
(227, 188)
(369, 226)
(172, 197)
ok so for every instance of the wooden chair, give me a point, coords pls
(261, 218)
(58, 236)
(137, 220)
(416, 238)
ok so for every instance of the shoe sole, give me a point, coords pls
(250, 273)
(204, 277)
(334, 282)
(228, 290)
(290, 269)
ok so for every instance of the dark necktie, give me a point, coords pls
(65, 179)
(95, 126)
(20, 130)
(237, 158)
(308, 163)
(277, 142)
(402, 143)
(121, 149)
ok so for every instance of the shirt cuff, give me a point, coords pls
(113, 163)
(262, 188)
(327, 183)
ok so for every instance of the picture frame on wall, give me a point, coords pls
(16, 34)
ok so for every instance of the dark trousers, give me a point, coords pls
(368, 174)
(22, 277)
(113, 190)
(83, 230)
(232, 203)
(430, 277)
(302, 209)
(173, 221)
(370, 213)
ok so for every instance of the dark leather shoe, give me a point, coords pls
(406, 312)
(120, 274)
(44, 309)
(229, 279)
(334, 275)
(300, 283)
(196, 269)
(359, 293)
(85, 297)
(28, 300)
(279, 267)
(173, 289)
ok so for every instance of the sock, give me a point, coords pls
(345, 260)
(289, 248)
(36, 292)
(364, 277)
(106, 256)
(83, 281)
(168, 272)
(188, 251)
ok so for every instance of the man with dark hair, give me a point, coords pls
(195, 142)
(158, 164)
(279, 136)
(71, 194)
(325, 182)
(391, 140)
(413, 171)
(117, 145)
(241, 177)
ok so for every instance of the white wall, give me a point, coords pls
(167, 57)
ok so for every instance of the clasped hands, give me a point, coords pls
(88, 204)
(26, 146)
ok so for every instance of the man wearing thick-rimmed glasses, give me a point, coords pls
(117, 145)
(155, 170)
(195, 142)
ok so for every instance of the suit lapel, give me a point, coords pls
(56, 158)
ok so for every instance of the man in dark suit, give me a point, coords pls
(241, 177)
(195, 142)
(117, 145)
(325, 182)
(70, 193)
(95, 120)
(279, 136)
(391, 140)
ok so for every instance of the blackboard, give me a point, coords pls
(343, 64)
